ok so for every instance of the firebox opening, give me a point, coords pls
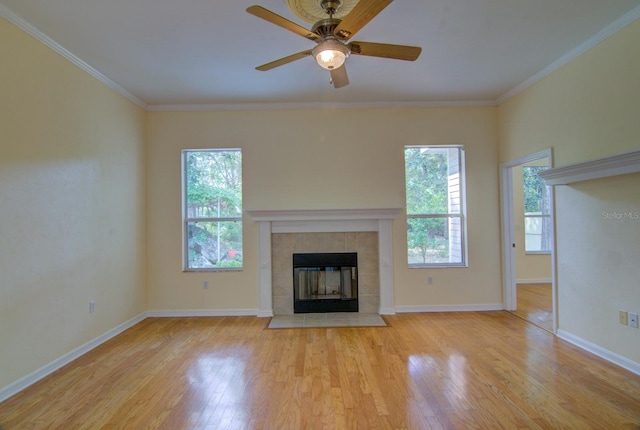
(325, 282)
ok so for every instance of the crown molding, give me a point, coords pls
(19, 22)
(620, 164)
(313, 105)
(594, 40)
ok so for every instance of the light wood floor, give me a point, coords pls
(535, 304)
(485, 370)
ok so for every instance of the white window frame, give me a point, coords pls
(186, 219)
(462, 216)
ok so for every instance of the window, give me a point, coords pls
(537, 211)
(212, 209)
(434, 177)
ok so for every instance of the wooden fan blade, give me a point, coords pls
(276, 19)
(385, 50)
(339, 77)
(283, 61)
(363, 12)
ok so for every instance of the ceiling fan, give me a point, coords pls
(332, 36)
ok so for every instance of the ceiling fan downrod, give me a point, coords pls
(330, 6)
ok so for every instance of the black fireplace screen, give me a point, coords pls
(325, 282)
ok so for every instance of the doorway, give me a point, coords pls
(528, 240)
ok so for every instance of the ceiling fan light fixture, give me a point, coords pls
(330, 54)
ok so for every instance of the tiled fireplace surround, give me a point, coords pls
(283, 245)
(365, 231)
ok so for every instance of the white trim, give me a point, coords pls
(534, 281)
(324, 226)
(508, 234)
(67, 358)
(387, 310)
(314, 105)
(507, 223)
(545, 153)
(265, 314)
(451, 308)
(508, 237)
(594, 40)
(614, 165)
(601, 352)
(19, 22)
(202, 313)
(385, 267)
(265, 294)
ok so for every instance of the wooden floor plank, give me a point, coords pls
(535, 304)
(436, 370)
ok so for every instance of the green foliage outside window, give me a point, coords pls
(213, 208)
(434, 205)
(537, 211)
(535, 190)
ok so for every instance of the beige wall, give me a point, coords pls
(71, 206)
(529, 267)
(309, 159)
(599, 249)
(589, 109)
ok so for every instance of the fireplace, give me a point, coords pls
(325, 282)
(325, 221)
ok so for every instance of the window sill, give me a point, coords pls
(438, 266)
(222, 269)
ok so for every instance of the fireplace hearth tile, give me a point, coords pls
(331, 319)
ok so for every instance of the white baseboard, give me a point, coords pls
(612, 357)
(451, 308)
(203, 313)
(265, 314)
(534, 281)
(24, 382)
(387, 311)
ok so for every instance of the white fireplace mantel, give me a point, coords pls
(325, 221)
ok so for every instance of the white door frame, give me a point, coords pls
(508, 233)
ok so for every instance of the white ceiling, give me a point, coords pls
(203, 52)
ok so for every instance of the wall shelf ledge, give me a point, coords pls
(620, 164)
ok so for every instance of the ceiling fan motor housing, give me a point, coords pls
(325, 27)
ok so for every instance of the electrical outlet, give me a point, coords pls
(205, 285)
(429, 280)
(92, 306)
(623, 317)
(633, 320)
